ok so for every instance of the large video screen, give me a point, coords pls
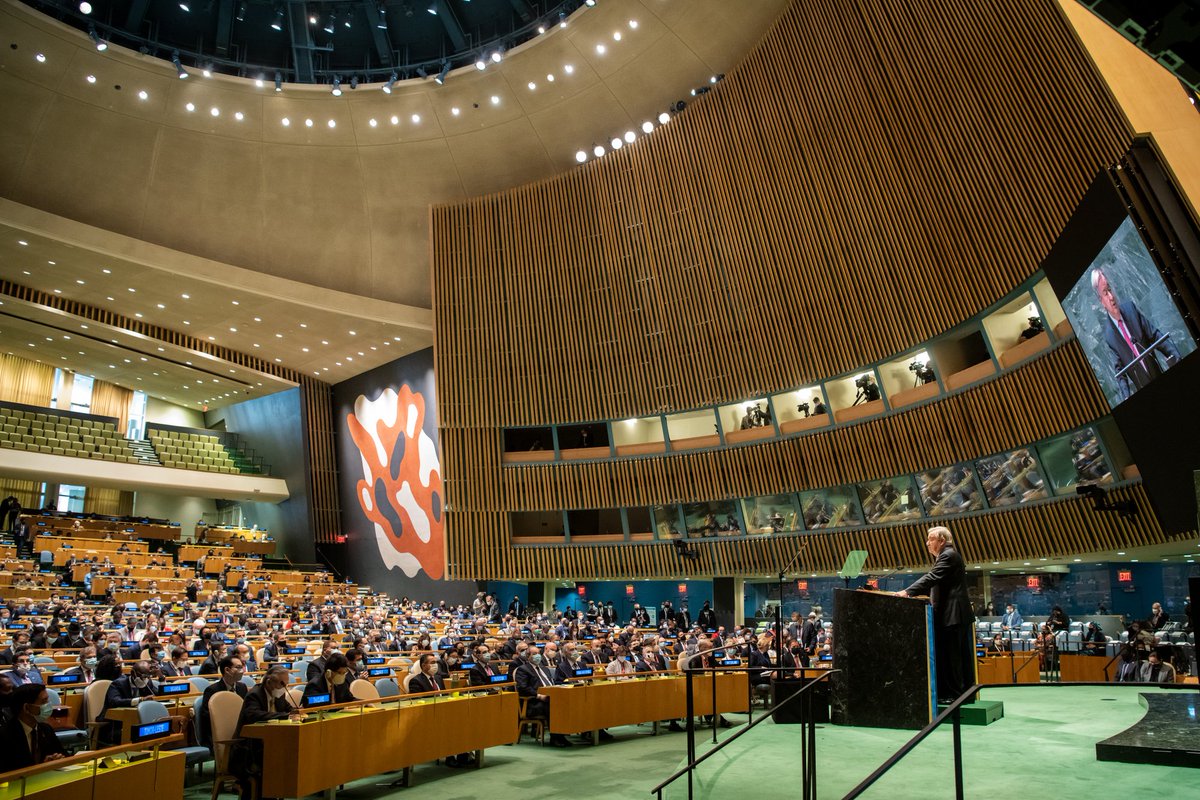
(1129, 327)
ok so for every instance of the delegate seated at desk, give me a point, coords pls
(126, 691)
(232, 668)
(25, 739)
(531, 676)
(265, 702)
(334, 681)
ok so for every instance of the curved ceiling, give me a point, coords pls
(311, 38)
(338, 195)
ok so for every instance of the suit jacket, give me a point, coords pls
(946, 586)
(420, 682)
(121, 693)
(14, 747)
(257, 707)
(1142, 333)
(529, 679)
(88, 677)
(595, 660)
(169, 670)
(219, 686)
(478, 675)
(316, 669)
(1166, 673)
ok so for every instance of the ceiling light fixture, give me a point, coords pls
(183, 6)
(278, 81)
(241, 12)
(441, 76)
(337, 86)
(277, 23)
(179, 70)
(391, 81)
(581, 156)
(85, 7)
(330, 23)
(101, 45)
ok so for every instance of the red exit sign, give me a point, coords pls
(1033, 581)
(802, 586)
(1125, 576)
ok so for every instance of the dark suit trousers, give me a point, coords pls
(955, 658)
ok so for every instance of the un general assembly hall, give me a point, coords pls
(606, 398)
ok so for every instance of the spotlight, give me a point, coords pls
(353, 82)
(616, 143)
(85, 7)
(330, 23)
(598, 150)
(589, 3)
(382, 24)
(277, 24)
(337, 86)
(497, 55)
(581, 156)
(422, 72)
(179, 70)
(480, 63)
(664, 118)
(647, 126)
(241, 12)
(432, 9)
(101, 45)
(184, 7)
(278, 81)
(630, 136)
(387, 87)
(441, 77)
(348, 18)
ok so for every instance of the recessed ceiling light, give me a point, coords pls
(616, 36)
(58, 291)
(279, 361)
(633, 23)
(216, 112)
(352, 333)
(372, 122)
(160, 305)
(186, 322)
(52, 263)
(239, 116)
(236, 302)
(143, 95)
(80, 281)
(285, 122)
(132, 289)
(333, 123)
(455, 111)
(91, 78)
(569, 69)
(601, 49)
(190, 106)
(256, 345)
(41, 58)
(304, 349)
(303, 324)
(324, 342)
(495, 100)
(137, 314)
(395, 338)
(550, 77)
(532, 86)
(22, 242)
(395, 120)
(279, 336)
(416, 118)
(233, 330)
(308, 123)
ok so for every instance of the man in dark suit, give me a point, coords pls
(481, 674)
(317, 666)
(126, 692)
(232, 670)
(266, 701)
(335, 680)
(1128, 335)
(595, 657)
(26, 740)
(707, 619)
(516, 608)
(264, 596)
(531, 677)
(641, 617)
(953, 619)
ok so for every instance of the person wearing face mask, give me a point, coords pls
(232, 670)
(126, 691)
(426, 679)
(531, 677)
(335, 681)
(485, 666)
(86, 666)
(26, 739)
(621, 666)
(23, 671)
(177, 665)
(317, 666)
(265, 702)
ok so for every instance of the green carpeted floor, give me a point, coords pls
(1045, 745)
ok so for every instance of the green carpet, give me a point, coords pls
(1045, 744)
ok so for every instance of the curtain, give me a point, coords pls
(110, 502)
(28, 492)
(110, 400)
(24, 381)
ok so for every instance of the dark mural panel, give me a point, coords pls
(390, 482)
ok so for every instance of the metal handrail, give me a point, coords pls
(951, 711)
(695, 762)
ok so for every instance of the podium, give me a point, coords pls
(883, 647)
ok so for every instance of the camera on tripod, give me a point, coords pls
(803, 408)
(863, 381)
(922, 372)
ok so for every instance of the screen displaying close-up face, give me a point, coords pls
(1130, 329)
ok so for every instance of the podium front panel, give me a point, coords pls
(883, 647)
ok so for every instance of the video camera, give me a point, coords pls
(923, 372)
(803, 408)
(863, 381)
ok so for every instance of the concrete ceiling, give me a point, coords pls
(327, 334)
(337, 198)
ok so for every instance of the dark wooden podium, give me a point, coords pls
(883, 646)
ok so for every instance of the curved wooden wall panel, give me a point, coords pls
(873, 174)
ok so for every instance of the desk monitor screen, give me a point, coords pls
(445, 647)
(63, 680)
(198, 653)
(318, 700)
(370, 660)
(467, 665)
(151, 730)
(379, 672)
(826, 657)
(731, 662)
(294, 651)
(981, 652)
(128, 644)
(498, 679)
(17, 626)
(180, 687)
(584, 672)
(589, 637)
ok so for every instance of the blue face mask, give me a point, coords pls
(45, 711)
(537, 658)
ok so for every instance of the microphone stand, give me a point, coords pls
(779, 608)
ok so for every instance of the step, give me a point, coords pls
(981, 712)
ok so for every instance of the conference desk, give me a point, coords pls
(606, 703)
(302, 758)
(117, 560)
(1021, 667)
(82, 778)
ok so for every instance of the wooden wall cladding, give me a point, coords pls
(870, 176)
(1052, 530)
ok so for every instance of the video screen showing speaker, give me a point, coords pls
(1129, 327)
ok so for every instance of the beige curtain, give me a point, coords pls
(28, 492)
(24, 381)
(111, 502)
(110, 400)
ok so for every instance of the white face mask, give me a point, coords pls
(279, 692)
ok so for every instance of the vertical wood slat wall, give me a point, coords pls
(316, 397)
(872, 174)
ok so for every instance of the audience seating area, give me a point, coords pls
(63, 435)
(192, 451)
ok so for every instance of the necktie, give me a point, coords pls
(33, 746)
(1154, 674)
